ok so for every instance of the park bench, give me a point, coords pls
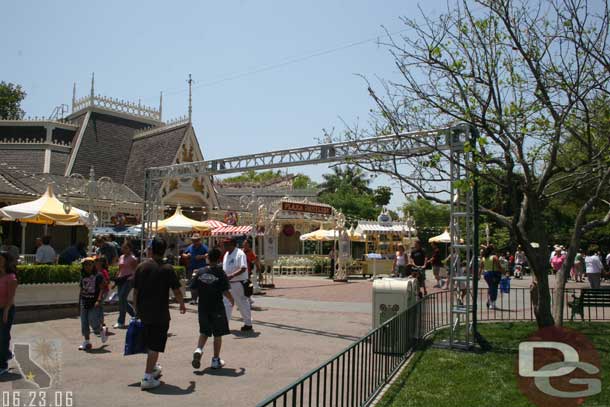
(589, 298)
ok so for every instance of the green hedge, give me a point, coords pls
(43, 273)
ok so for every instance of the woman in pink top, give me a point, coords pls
(557, 260)
(8, 285)
(124, 282)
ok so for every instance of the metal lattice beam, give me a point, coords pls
(406, 144)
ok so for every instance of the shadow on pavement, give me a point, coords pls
(169, 389)
(221, 372)
(100, 350)
(244, 335)
(10, 377)
(306, 330)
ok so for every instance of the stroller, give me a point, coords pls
(518, 273)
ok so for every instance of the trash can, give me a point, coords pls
(391, 296)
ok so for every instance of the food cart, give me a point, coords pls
(381, 242)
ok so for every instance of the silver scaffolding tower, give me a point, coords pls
(461, 250)
(451, 140)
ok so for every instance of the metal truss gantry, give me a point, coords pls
(391, 147)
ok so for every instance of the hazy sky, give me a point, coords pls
(139, 48)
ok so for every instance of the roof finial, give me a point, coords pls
(190, 81)
(161, 107)
(73, 96)
(92, 86)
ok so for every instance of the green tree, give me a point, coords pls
(382, 195)
(11, 96)
(498, 71)
(350, 177)
(353, 205)
(427, 213)
(302, 181)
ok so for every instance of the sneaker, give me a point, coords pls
(157, 371)
(119, 326)
(246, 328)
(3, 371)
(217, 363)
(104, 334)
(85, 346)
(148, 384)
(196, 363)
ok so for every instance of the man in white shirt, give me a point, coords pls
(45, 254)
(594, 268)
(235, 266)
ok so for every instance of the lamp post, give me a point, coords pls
(252, 204)
(92, 189)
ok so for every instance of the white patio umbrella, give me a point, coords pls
(321, 235)
(444, 237)
(46, 210)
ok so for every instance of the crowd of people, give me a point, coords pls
(219, 280)
(493, 266)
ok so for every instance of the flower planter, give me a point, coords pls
(57, 293)
(46, 294)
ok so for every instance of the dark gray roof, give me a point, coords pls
(58, 162)
(31, 161)
(106, 145)
(158, 148)
(33, 185)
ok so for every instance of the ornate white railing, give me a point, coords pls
(117, 105)
(149, 131)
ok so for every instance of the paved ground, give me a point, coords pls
(300, 324)
(292, 336)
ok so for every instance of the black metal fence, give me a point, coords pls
(357, 374)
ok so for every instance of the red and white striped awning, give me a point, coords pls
(214, 224)
(232, 231)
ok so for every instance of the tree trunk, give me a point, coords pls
(540, 268)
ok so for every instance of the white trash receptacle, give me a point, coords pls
(391, 296)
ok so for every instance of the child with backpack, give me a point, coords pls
(90, 301)
(212, 284)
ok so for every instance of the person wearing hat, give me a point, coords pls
(90, 301)
(235, 265)
(196, 256)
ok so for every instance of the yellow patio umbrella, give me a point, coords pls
(321, 235)
(46, 210)
(179, 223)
(444, 237)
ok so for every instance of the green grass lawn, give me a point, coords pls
(441, 377)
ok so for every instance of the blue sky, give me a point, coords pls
(139, 48)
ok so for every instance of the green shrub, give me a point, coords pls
(44, 273)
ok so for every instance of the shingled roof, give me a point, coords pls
(106, 145)
(20, 183)
(154, 148)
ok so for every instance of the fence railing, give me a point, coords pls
(357, 374)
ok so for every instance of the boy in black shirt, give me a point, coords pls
(211, 283)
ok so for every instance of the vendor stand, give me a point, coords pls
(381, 242)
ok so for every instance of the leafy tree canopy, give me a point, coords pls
(11, 96)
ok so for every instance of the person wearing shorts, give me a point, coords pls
(211, 284)
(152, 282)
(418, 262)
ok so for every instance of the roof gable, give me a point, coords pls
(153, 149)
(105, 146)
